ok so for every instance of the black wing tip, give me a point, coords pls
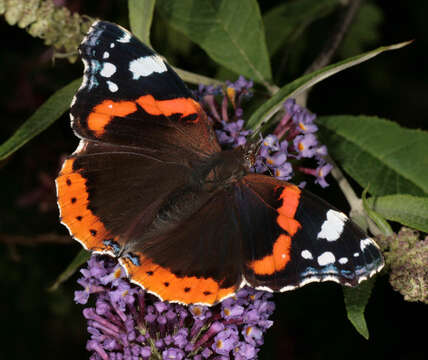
(111, 31)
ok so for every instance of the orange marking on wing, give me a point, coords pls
(73, 202)
(277, 260)
(184, 106)
(103, 113)
(162, 282)
(288, 224)
(290, 201)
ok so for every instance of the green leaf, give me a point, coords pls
(82, 257)
(378, 152)
(261, 116)
(231, 32)
(193, 78)
(140, 18)
(285, 22)
(406, 209)
(356, 300)
(381, 223)
(45, 115)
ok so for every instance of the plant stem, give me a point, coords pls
(336, 37)
(354, 201)
(332, 43)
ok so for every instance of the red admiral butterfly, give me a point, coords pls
(190, 223)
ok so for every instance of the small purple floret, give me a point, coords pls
(321, 172)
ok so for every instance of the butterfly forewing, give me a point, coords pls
(131, 97)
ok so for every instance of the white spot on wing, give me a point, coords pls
(332, 228)
(112, 86)
(126, 37)
(356, 254)
(326, 258)
(112, 45)
(106, 55)
(343, 260)
(306, 254)
(146, 65)
(365, 242)
(108, 69)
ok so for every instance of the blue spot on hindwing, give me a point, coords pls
(328, 270)
(135, 259)
(113, 245)
(95, 66)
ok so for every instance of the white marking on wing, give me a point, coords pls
(332, 228)
(326, 258)
(108, 69)
(306, 254)
(146, 65)
(112, 86)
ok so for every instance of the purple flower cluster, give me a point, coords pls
(298, 127)
(230, 130)
(128, 323)
(280, 152)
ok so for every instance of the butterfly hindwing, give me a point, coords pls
(195, 260)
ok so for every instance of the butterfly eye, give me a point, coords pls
(250, 159)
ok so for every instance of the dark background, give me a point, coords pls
(310, 323)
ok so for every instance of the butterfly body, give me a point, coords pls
(189, 222)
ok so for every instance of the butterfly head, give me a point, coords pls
(251, 151)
